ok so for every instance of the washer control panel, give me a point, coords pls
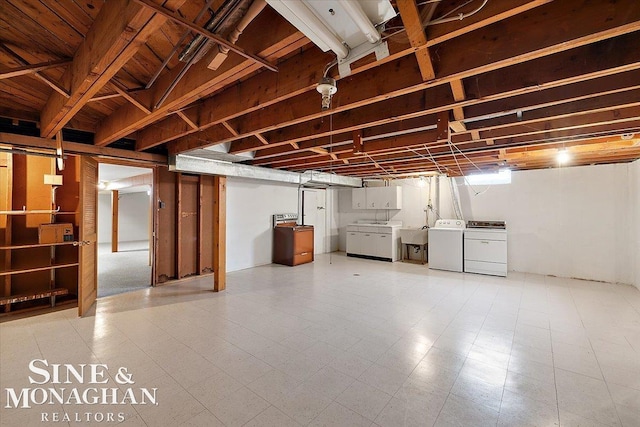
(450, 223)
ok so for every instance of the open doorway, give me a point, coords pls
(124, 228)
(314, 213)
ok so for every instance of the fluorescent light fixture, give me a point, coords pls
(310, 25)
(358, 16)
(347, 27)
(563, 156)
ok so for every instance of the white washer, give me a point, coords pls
(446, 245)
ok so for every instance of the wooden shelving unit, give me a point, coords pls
(35, 245)
(31, 270)
(33, 274)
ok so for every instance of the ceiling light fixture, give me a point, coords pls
(563, 156)
(350, 28)
(302, 17)
(358, 16)
(327, 88)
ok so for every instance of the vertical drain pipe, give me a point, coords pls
(437, 197)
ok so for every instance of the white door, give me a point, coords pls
(314, 213)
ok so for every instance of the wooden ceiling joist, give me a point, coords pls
(399, 79)
(500, 98)
(281, 40)
(518, 76)
(417, 37)
(203, 32)
(115, 36)
(303, 72)
(34, 68)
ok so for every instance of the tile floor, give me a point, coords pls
(351, 343)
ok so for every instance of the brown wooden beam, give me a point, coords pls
(301, 73)
(188, 120)
(220, 233)
(357, 141)
(492, 50)
(417, 37)
(574, 79)
(116, 34)
(29, 69)
(207, 34)
(200, 81)
(77, 148)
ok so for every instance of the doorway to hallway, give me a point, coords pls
(124, 228)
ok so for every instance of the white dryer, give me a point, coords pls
(446, 244)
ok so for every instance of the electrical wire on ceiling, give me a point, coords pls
(445, 18)
(378, 165)
(451, 147)
(430, 158)
(441, 20)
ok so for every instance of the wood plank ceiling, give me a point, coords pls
(509, 85)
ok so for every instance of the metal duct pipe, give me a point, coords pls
(185, 163)
(194, 50)
(253, 11)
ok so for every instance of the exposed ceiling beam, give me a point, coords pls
(116, 34)
(77, 148)
(541, 73)
(28, 69)
(417, 37)
(399, 78)
(302, 72)
(207, 34)
(199, 81)
(617, 120)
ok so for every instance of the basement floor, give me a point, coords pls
(350, 342)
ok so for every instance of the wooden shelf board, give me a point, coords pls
(35, 245)
(31, 270)
(35, 213)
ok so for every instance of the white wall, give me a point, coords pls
(250, 206)
(415, 198)
(569, 222)
(104, 218)
(133, 217)
(634, 192)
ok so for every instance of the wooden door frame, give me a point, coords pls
(153, 212)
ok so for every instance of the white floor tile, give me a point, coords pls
(396, 345)
(337, 415)
(239, 407)
(364, 399)
(461, 412)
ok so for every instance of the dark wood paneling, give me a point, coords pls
(205, 240)
(188, 186)
(165, 242)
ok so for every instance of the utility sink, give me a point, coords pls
(414, 236)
